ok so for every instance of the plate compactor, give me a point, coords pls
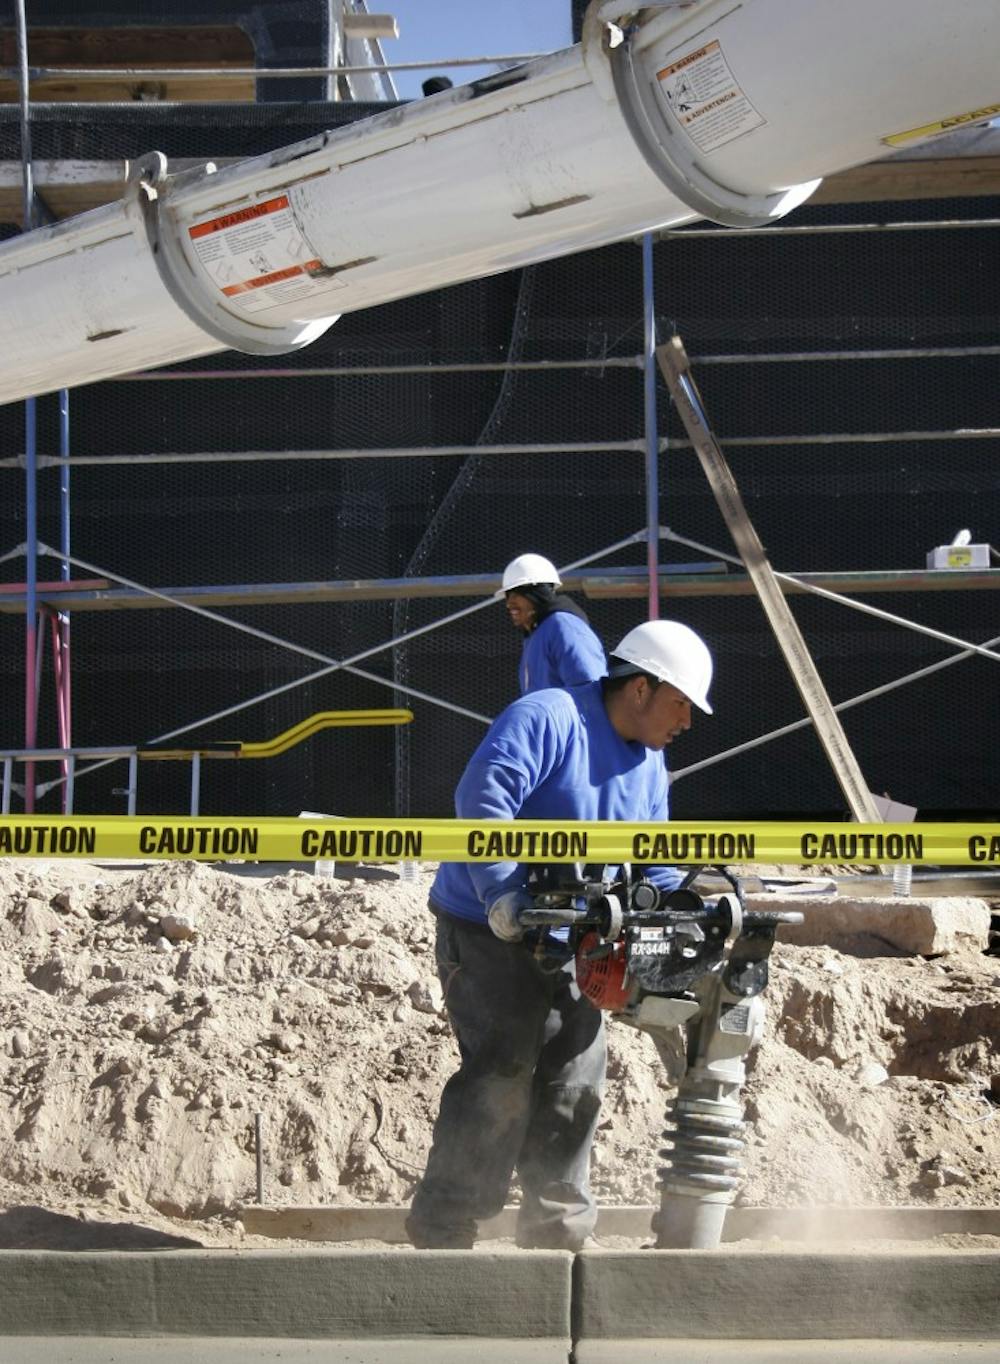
(689, 971)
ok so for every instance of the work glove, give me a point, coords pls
(504, 914)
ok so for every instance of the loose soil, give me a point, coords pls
(149, 1013)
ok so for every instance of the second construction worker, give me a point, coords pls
(560, 649)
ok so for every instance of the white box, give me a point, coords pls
(959, 556)
(894, 811)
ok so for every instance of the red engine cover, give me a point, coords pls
(602, 979)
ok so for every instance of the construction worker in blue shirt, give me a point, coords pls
(560, 649)
(527, 1093)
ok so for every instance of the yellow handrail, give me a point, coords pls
(270, 748)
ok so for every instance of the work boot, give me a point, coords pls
(437, 1236)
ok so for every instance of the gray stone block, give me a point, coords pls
(928, 927)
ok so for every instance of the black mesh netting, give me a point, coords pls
(140, 674)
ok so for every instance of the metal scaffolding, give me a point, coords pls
(109, 589)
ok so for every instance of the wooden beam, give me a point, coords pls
(191, 48)
(947, 177)
(70, 187)
(616, 584)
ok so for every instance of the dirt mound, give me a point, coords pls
(147, 1016)
(872, 1084)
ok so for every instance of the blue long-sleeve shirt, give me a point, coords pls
(562, 651)
(551, 755)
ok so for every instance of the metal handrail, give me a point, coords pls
(268, 748)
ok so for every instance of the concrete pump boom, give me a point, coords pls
(720, 109)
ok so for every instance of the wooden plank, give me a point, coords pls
(132, 45)
(620, 584)
(192, 47)
(77, 585)
(126, 90)
(951, 177)
(849, 584)
(70, 187)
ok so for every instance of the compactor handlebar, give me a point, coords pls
(611, 906)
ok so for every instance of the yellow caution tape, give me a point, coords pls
(455, 840)
(942, 125)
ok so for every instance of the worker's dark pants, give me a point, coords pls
(526, 1095)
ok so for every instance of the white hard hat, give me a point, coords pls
(672, 652)
(527, 569)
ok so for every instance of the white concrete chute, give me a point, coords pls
(77, 301)
(716, 109)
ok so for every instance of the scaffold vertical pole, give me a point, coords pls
(61, 636)
(651, 432)
(30, 444)
(334, 46)
(133, 779)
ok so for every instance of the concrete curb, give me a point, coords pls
(538, 1300)
(740, 1295)
(297, 1294)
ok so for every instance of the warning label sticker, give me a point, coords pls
(706, 100)
(258, 257)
